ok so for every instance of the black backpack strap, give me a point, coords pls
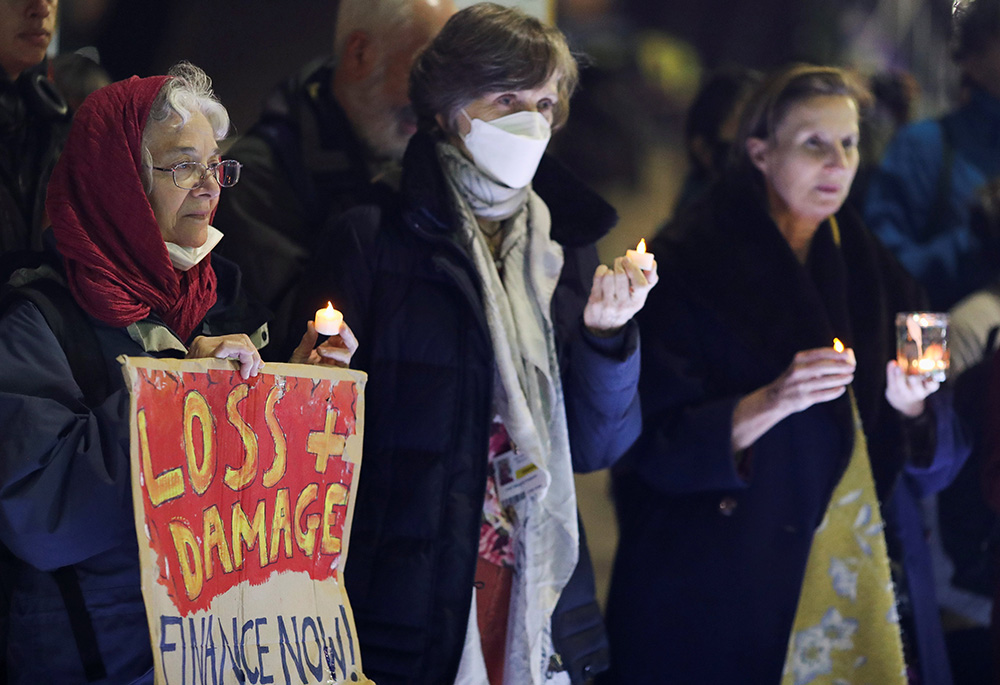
(80, 623)
(72, 329)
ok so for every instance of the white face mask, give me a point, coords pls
(183, 258)
(509, 148)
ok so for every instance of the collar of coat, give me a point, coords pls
(727, 254)
(579, 215)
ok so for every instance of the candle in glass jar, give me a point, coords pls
(639, 256)
(328, 320)
(922, 344)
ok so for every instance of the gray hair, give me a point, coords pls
(488, 48)
(379, 18)
(188, 90)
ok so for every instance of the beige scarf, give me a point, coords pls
(529, 400)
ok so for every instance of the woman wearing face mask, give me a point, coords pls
(500, 357)
(752, 546)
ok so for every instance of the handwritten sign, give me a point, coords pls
(243, 494)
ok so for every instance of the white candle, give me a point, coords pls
(639, 256)
(328, 320)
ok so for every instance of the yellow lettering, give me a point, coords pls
(281, 522)
(214, 538)
(326, 444)
(277, 470)
(306, 537)
(188, 558)
(237, 479)
(196, 407)
(336, 495)
(249, 534)
(160, 488)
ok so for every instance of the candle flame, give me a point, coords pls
(329, 308)
(837, 345)
(641, 247)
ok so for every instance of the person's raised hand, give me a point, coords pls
(617, 294)
(907, 393)
(337, 350)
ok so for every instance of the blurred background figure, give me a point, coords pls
(34, 120)
(991, 491)
(895, 96)
(918, 202)
(710, 128)
(967, 540)
(77, 75)
(329, 139)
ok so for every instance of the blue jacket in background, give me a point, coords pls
(942, 253)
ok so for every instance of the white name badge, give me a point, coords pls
(517, 477)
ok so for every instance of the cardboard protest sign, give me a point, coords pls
(243, 494)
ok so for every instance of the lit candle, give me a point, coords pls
(639, 256)
(839, 347)
(328, 320)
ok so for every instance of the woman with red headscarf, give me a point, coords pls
(130, 203)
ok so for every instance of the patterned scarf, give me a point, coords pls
(529, 400)
(846, 628)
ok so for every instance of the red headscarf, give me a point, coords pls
(116, 261)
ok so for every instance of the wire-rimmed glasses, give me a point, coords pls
(191, 175)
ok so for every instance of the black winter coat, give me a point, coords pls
(711, 557)
(412, 295)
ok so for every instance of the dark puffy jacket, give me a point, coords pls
(65, 498)
(303, 166)
(34, 122)
(412, 295)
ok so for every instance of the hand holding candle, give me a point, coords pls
(328, 320)
(639, 256)
(839, 347)
(922, 344)
(338, 348)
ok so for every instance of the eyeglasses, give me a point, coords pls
(191, 175)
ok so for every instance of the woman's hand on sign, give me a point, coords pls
(337, 350)
(237, 346)
(617, 295)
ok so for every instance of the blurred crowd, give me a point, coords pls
(794, 503)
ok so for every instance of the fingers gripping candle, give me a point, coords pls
(639, 256)
(328, 320)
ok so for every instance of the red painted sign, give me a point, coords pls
(243, 488)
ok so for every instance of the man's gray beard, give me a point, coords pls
(376, 124)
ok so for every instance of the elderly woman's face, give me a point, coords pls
(811, 161)
(495, 105)
(183, 215)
